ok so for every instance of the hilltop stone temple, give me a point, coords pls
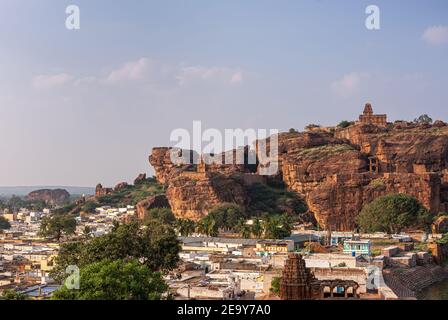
(369, 118)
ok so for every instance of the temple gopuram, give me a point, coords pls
(369, 118)
(299, 283)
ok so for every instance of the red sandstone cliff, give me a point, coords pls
(336, 173)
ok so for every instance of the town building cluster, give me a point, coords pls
(26, 258)
(342, 265)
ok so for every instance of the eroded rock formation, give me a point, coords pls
(100, 191)
(53, 197)
(337, 171)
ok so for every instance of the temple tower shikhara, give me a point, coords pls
(296, 281)
(369, 118)
(299, 283)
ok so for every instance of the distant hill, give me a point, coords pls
(23, 191)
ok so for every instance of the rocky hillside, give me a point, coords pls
(52, 197)
(336, 172)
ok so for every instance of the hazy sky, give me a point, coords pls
(82, 107)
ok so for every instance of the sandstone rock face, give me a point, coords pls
(53, 197)
(164, 168)
(337, 174)
(159, 201)
(192, 196)
(411, 160)
(337, 201)
(192, 191)
(304, 170)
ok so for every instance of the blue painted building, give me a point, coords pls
(357, 247)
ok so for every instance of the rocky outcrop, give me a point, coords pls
(52, 197)
(164, 168)
(120, 186)
(337, 201)
(159, 201)
(191, 196)
(336, 173)
(193, 189)
(306, 169)
(140, 178)
(100, 191)
(337, 182)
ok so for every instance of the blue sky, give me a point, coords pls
(87, 106)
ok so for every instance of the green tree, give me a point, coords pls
(154, 245)
(4, 224)
(116, 280)
(393, 213)
(257, 228)
(90, 206)
(163, 215)
(345, 124)
(277, 226)
(423, 119)
(57, 225)
(275, 285)
(246, 231)
(208, 226)
(292, 130)
(243, 228)
(13, 295)
(226, 215)
(185, 227)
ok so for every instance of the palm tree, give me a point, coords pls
(246, 231)
(207, 226)
(243, 229)
(257, 228)
(185, 227)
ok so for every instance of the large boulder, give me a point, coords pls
(52, 197)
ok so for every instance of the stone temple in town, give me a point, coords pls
(299, 283)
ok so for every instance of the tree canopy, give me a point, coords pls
(277, 226)
(345, 124)
(154, 245)
(57, 225)
(4, 224)
(423, 119)
(115, 280)
(226, 215)
(163, 215)
(392, 213)
(13, 295)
